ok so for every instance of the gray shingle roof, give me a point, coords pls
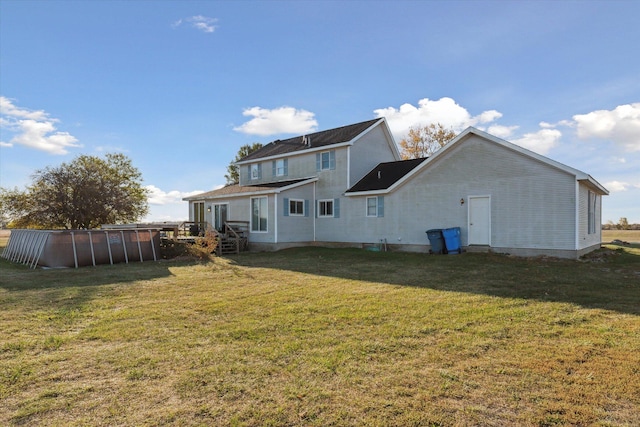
(384, 175)
(234, 189)
(312, 140)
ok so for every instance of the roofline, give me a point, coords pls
(579, 175)
(365, 193)
(198, 197)
(326, 147)
(293, 153)
(386, 129)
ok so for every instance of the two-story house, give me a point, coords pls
(348, 187)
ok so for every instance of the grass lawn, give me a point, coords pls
(324, 337)
(624, 235)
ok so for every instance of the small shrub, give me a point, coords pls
(201, 249)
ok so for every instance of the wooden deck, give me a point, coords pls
(234, 238)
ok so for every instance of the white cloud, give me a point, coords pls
(5, 144)
(617, 186)
(279, 120)
(8, 109)
(34, 129)
(541, 141)
(444, 111)
(161, 197)
(620, 125)
(199, 22)
(502, 131)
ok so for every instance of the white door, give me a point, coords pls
(480, 220)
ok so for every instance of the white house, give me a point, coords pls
(348, 187)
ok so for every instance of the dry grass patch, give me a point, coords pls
(632, 236)
(324, 337)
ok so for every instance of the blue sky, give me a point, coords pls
(179, 86)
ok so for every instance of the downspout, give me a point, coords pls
(314, 210)
(577, 216)
(275, 215)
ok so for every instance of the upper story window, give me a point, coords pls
(280, 167)
(326, 160)
(255, 171)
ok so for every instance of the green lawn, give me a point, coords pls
(324, 337)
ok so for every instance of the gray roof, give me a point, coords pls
(384, 175)
(310, 141)
(236, 189)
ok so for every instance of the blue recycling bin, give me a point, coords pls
(452, 240)
(436, 241)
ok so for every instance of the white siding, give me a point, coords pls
(368, 151)
(296, 228)
(532, 204)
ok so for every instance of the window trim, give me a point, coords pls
(254, 167)
(367, 207)
(281, 167)
(258, 230)
(331, 160)
(301, 201)
(326, 201)
(322, 161)
(216, 209)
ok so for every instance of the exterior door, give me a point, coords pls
(220, 216)
(480, 220)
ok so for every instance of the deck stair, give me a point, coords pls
(234, 238)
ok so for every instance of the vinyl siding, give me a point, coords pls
(296, 228)
(368, 151)
(584, 238)
(532, 204)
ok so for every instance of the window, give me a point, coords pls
(325, 208)
(259, 214)
(375, 206)
(326, 160)
(255, 171)
(372, 206)
(296, 207)
(591, 211)
(280, 167)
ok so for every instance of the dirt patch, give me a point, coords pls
(601, 255)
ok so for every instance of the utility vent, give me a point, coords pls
(306, 141)
(379, 174)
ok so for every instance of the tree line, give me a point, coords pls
(622, 224)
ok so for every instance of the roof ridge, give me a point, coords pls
(316, 139)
